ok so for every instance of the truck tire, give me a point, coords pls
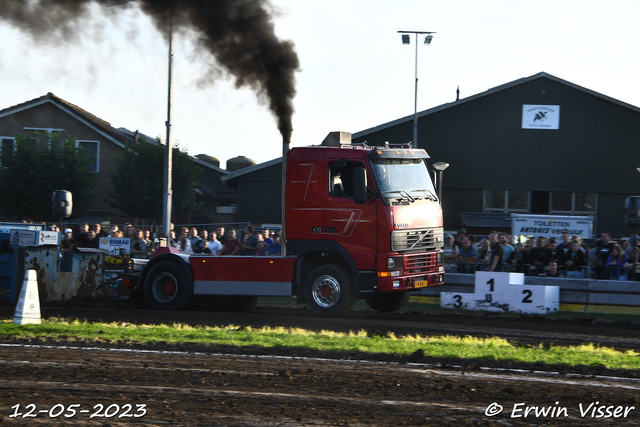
(388, 302)
(168, 287)
(329, 290)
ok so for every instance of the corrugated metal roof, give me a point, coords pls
(485, 219)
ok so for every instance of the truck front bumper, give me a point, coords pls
(410, 271)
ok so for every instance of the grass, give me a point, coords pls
(496, 349)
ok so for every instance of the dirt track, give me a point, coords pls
(197, 385)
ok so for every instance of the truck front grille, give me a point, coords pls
(421, 240)
(423, 263)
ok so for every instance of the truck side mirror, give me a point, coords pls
(432, 172)
(360, 185)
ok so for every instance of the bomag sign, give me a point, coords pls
(116, 261)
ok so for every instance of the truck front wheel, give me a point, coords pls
(167, 287)
(388, 302)
(329, 290)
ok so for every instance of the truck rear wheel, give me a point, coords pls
(388, 302)
(329, 290)
(167, 287)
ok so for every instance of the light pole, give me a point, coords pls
(167, 197)
(440, 167)
(406, 39)
(168, 160)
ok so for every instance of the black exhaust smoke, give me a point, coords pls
(239, 34)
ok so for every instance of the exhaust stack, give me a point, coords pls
(285, 155)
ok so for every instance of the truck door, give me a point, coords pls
(354, 226)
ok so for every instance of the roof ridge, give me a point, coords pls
(82, 111)
(102, 126)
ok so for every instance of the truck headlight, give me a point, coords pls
(394, 262)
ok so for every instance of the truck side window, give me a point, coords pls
(341, 178)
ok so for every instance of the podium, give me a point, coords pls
(497, 291)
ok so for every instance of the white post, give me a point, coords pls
(28, 307)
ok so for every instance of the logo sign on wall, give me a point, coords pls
(540, 117)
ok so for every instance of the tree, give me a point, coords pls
(38, 166)
(137, 181)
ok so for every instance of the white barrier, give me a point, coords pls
(504, 292)
(28, 307)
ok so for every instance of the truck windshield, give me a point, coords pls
(404, 178)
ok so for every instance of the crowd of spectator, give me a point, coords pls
(191, 240)
(605, 259)
(572, 257)
(226, 242)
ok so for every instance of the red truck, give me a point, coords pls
(361, 222)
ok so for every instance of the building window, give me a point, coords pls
(6, 149)
(495, 200)
(573, 203)
(561, 201)
(93, 148)
(517, 201)
(506, 201)
(585, 202)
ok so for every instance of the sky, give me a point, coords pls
(355, 73)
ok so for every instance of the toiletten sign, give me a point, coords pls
(540, 117)
(551, 225)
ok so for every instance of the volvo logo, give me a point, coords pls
(403, 225)
(422, 236)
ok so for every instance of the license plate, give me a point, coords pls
(421, 284)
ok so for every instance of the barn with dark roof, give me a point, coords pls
(537, 145)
